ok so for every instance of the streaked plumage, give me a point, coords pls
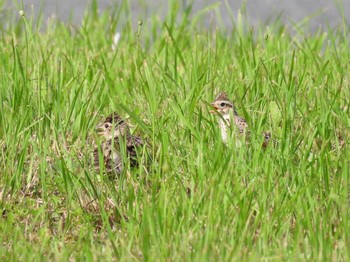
(118, 143)
(227, 110)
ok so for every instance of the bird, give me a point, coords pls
(227, 112)
(119, 143)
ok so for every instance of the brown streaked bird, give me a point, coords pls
(227, 110)
(118, 142)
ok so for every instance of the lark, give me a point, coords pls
(228, 114)
(118, 143)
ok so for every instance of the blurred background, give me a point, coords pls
(219, 13)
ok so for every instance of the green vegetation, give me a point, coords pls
(198, 199)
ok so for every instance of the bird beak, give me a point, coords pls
(215, 109)
(99, 128)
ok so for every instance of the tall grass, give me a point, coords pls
(197, 199)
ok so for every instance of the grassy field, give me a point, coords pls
(198, 199)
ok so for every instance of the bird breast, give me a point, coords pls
(224, 124)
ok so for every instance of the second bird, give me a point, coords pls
(228, 114)
(118, 145)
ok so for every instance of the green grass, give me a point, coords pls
(286, 203)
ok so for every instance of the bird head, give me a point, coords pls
(112, 127)
(222, 105)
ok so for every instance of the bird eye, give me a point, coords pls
(222, 104)
(106, 125)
